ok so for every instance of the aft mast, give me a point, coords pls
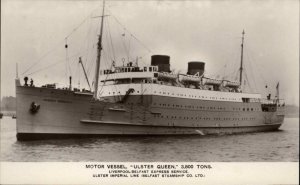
(241, 67)
(99, 49)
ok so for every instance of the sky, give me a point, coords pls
(34, 34)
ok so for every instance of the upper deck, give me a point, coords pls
(147, 80)
(151, 74)
(129, 72)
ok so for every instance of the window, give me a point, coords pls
(245, 100)
(150, 69)
(145, 68)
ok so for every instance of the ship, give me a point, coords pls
(150, 100)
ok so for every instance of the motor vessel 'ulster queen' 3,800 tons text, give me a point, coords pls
(148, 100)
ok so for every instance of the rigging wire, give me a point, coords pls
(100, 92)
(97, 30)
(67, 60)
(51, 65)
(124, 45)
(108, 43)
(129, 47)
(87, 39)
(248, 82)
(124, 34)
(112, 46)
(40, 59)
(88, 42)
(56, 46)
(131, 34)
(251, 71)
(89, 16)
(259, 72)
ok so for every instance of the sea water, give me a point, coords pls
(282, 146)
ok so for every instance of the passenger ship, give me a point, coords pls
(147, 100)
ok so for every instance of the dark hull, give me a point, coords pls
(210, 131)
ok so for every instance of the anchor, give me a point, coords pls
(34, 108)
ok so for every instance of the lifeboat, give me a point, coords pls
(208, 81)
(231, 84)
(165, 75)
(189, 78)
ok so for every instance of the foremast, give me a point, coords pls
(241, 66)
(99, 50)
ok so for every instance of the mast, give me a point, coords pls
(242, 51)
(99, 49)
(277, 93)
(80, 61)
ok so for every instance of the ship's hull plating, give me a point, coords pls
(64, 114)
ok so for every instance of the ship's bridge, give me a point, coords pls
(125, 74)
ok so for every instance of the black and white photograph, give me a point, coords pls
(150, 81)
